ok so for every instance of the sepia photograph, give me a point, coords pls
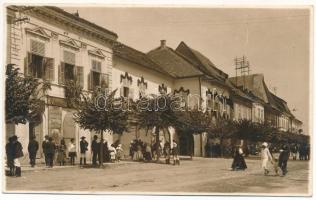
(157, 100)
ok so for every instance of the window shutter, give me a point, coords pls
(49, 69)
(61, 73)
(79, 75)
(69, 57)
(90, 81)
(27, 64)
(104, 81)
(38, 47)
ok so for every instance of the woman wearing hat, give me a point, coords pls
(265, 157)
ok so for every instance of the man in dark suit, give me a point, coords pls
(95, 148)
(83, 148)
(50, 152)
(44, 147)
(283, 158)
(32, 149)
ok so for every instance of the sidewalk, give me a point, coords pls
(42, 166)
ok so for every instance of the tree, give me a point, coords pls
(192, 121)
(157, 111)
(24, 97)
(223, 129)
(99, 112)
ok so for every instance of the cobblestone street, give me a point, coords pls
(202, 175)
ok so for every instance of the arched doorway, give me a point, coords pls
(186, 144)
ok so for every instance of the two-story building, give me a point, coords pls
(53, 45)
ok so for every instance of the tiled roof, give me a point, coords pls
(282, 105)
(128, 53)
(255, 83)
(174, 63)
(201, 61)
(238, 92)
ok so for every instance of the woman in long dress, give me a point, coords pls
(239, 161)
(265, 157)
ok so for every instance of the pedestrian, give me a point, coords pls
(72, 153)
(18, 153)
(283, 158)
(119, 152)
(147, 154)
(138, 155)
(265, 157)
(112, 152)
(10, 156)
(175, 152)
(294, 152)
(51, 147)
(61, 152)
(83, 149)
(301, 152)
(167, 152)
(131, 149)
(239, 161)
(106, 153)
(95, 148)
(32, 149)
(44, 147)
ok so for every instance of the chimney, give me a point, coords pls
(162, 43)
(76, 14)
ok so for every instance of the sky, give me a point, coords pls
(275, 41)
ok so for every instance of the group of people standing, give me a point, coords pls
(142, 151)
(266, 157)
(50, 149)
(110, 153)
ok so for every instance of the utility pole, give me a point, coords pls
(242, 66)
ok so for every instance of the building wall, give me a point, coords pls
(55, 33)
(135, 71)
(257, 113)
(241, 111)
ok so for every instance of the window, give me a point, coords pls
(68, 71)
(36, 64)
(183, 96)
(162, 89)
(38, 47)
(142, 86)
(125, 92)
(97, 80)
(126, 82)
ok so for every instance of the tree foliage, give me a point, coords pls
(102, 114)
(24, 100)
(193, 121)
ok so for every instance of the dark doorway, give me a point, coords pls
(186, 142)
